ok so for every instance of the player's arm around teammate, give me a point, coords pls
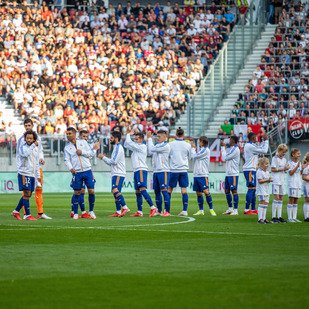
(76, 158)
(140, 169)
(161, 170)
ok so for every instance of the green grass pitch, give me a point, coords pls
(173, 262)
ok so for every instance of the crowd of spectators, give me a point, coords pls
(279, 88)
(102, 69)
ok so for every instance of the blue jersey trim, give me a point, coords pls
(116, 152)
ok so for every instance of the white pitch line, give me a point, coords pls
(146, 230)
(190, 219)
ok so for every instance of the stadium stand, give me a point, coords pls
(101, 69)
(278, 90)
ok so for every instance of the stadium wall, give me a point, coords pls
(59, 182)
(51, 165)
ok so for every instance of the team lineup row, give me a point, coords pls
(170, 163)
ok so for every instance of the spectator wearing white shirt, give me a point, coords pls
(171, 31)
(95, 24)
(79, 39)
(138, 127)
(164, 73)
(122, 23)
(84, 18)
(167, 8)
(18, 97)
(258, 72)
(157, 43)
(161, 127)
(62, 126)
(145, 44)
(191, 31)
(197, 23)
(103, 15)
(190, 83)
(171, 15)
(117, 82)
(209, 15)
(144, 104)
(9, 129)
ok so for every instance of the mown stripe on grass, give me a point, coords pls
(128, 228)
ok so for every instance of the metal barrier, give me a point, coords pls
(277, 136)
(54, 146)
(287, 113)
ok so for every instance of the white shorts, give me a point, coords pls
(295, 192)
(306, 189)
(278, 189)
(264, 198)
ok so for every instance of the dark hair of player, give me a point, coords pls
(116, 134)
(161, 132)
(180, 132)
(35, 136)
(204, 140)
(83, 132)
(28, 120)
(140, 135)
(251, 135)
(235, 139)
(71, 129)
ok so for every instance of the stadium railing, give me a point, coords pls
(277, 136)
(7, 146)
(53, 146)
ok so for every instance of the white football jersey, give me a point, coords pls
(117, 161)
(28, 164)
(232, 158)
(262, 188)
(294, 181)
(251, 155)
(160, 153)
(201, 162)
(72, 160)
(139, 154)
(180, 154)
(278, 177)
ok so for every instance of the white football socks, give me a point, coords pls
(289, 209)
(274, 209)
(294, 211)
(261, 212)
(279, 209)
(264, 212)
(306, 210)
